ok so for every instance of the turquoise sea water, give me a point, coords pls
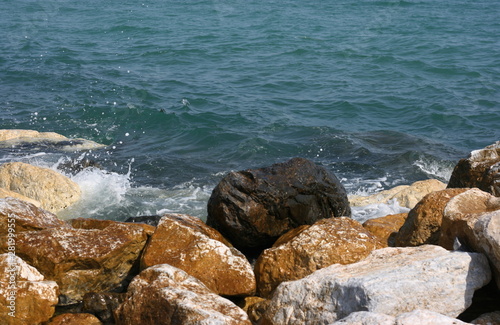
(381, 93)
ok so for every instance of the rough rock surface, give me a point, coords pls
(386, 228)
(473, 217)
(75, 319)
(6, 193)
(462, 212)
(102, 304)
(89, 223)
(53, 190)
(366, 318)
(481, 169)
(391, 281)
(329, 241)
(406, 195)
(416, 317)
(252, 208)
(34, 139)
(163, 294)
(492, 318)
(25, 216)
(34, 300)
(82, 260)
(188, 244)
(423, 225)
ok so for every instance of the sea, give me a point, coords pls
(379, 92)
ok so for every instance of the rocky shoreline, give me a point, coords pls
(278, 247)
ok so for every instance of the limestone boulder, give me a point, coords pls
(480, 169)
(22, 216)
(187, 243)
(252, 208)
(6, 193)
(31, 139)
(386, 228)
(82, 260)
(90, 223)
(53, 190)
(390, 281)
(406, 195)
(328, 241)
(473, 218)
(423, 225)
(163, 294)
(366, 318)
(461, 214)
(75, 319)
(25, 297)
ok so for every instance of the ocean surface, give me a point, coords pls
(381, 93)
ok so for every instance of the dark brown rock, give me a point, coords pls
(481, 169)
(75, 319)
(252, 208)
(102, 304)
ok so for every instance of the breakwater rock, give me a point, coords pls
(324, 270)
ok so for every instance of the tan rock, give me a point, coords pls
(6, 193)
(423, 225)
(386, 228)
(25, 298)
(82, 260)
(406, 195)
(75, 319)
(53, 190)
(20, 216)
(473, 218)
(186, 243)
(163, 294)
(329, 241)
(255, 307)
(462, 212)
(16, 137)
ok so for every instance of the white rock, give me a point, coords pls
(426, 317)
(366, 318)
(391, 281)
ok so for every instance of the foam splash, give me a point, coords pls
(435, 169)
(378, 210)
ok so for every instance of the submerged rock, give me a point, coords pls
(24, 293)
(31, 139)
(53, 190)
(163, 294)
(188, 244)
(328, 241)
(390, 281)
(481, 169)
(252, 208)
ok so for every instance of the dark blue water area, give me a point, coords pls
(381, 93)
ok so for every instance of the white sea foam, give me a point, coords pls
(435, 169)
(372, 211)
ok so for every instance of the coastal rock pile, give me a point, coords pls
(316, 265)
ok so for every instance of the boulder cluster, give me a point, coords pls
(279, 247)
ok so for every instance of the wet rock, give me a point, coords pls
(188, 244)
(252, 208)
(82, 260)
(328, 241)
(386, 228)
(25, 297)
(481, 169)
(148, 220)
(53, 190)
(255, 307)
(89, 223)
(22, 216)
(163, 294)
(406, 195)
(31, 139)
(423, 225)
(390, 281)
(75, 319)
(102, 304)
